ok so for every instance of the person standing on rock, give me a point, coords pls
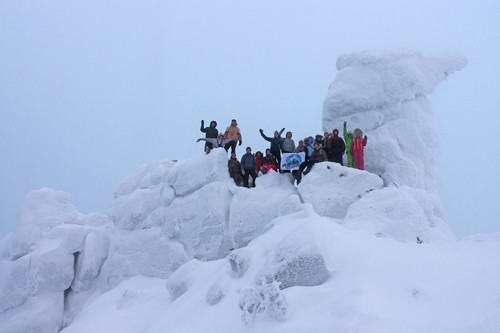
(336, 147)
(357, 149)
(248, 166)
(211, 133)
(232, 134)
(275, 141)
(348, 143)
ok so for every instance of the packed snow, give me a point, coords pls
(183, 249)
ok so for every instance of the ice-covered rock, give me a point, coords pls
(251, 210)
(90, 260)
(384, 94)
(41, 314)
(396, 213)
(179, 282)
(239, 261)
(146, 252)
(51, 271)
(263, 300)
(193, 174)
(13, 282)
(41, 211)
(199, 221)
(331, 188)
(297, 260)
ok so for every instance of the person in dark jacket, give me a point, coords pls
(211, 132)
(337, 147)
(248, 166)
(275, 141)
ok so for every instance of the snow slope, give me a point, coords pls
(182, 249)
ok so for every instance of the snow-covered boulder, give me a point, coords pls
(252, 209)
(331, 188)
(296, 260)
(191, 175)
(146, 252)
(179, 282)
(90, 260)
(140, 194)
(41, 211)
(146, 176)
(13, 282)
(41, 314)
(397, 214)
(199, 221)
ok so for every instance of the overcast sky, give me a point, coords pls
(90, 90)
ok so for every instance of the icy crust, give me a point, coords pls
(384, 94)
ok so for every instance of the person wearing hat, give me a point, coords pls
(232, 134)
(348, 142)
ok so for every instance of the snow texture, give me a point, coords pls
(183, 249)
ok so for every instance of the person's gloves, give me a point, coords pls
(240, 143)
(202, 123)
(366, 138)
(345, 123)
(260, 130)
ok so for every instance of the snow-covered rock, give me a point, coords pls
(384, 94)
(146, 252)
(395, 213)
(332, 188)
(41, 211)
(251, 210)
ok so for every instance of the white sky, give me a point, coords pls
(90, 90)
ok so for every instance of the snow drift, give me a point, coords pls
(182, 248)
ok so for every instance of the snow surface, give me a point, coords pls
(183, 249)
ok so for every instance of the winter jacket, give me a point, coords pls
(270, 159)
(259, 161)
(319, 155)
(233, 133)
(210, 132)
(337, 145)
(358, 144)
(347, 138)
(248, 162)
(275, 142)
(234, 167)
(288, 145)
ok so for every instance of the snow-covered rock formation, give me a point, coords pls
(384, 94)
(182, 248)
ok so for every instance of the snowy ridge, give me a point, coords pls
(182, 249)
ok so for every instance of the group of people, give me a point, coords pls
(328, 147)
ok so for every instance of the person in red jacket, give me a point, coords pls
(357, 147)
(259, 161)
